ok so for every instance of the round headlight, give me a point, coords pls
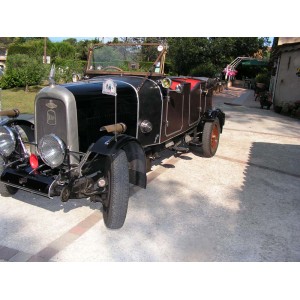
(52, 150)
(7, 141)
(166, 83)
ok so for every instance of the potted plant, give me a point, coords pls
(262, 80)
(278, 107)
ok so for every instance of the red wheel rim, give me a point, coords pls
(214, 137)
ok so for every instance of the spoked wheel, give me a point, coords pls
(116, 203)
(210, 138)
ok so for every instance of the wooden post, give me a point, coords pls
(45, 50)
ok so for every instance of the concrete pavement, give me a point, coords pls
(241, 205)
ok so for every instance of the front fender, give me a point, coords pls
(27, 126)
(108, 146)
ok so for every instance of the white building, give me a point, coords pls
(285, 84)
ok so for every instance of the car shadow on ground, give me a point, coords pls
(269, 218)
(258, 220)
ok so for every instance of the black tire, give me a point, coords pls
(27, 134)
(7, 191)
(210, 138)
(116, 204)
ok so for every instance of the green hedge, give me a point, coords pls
(22, 71)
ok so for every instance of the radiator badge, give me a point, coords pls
(51, 115)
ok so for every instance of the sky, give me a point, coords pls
(106, 39)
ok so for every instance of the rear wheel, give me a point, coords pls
(210, 138)
(116, 203)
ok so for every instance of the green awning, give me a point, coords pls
(255, 62)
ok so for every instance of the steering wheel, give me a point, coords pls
(112, 67)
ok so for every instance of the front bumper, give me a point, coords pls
(28, 181)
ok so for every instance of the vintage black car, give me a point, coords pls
(93, 137)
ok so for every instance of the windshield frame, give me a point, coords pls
(160, 59)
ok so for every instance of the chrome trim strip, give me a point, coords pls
(138, 104)
(162, 111)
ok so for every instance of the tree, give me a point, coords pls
(187, 53)
(6, 41)
(71, 41)
(248, 46)
(83, 46)
(34, 47)
(203, 56)
(62, 50)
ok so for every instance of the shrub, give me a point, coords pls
(263, 78)
(22, 71)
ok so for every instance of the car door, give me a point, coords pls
(174, 113)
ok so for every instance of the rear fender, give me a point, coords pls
(212, 114)
(107, 146)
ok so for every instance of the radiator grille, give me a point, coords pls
(51, 118)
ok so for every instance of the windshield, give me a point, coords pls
(127, 58)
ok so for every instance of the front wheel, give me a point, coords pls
(5, 190)
(210, 138)
(116, 203)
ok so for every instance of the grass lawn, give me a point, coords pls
(18, 98)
